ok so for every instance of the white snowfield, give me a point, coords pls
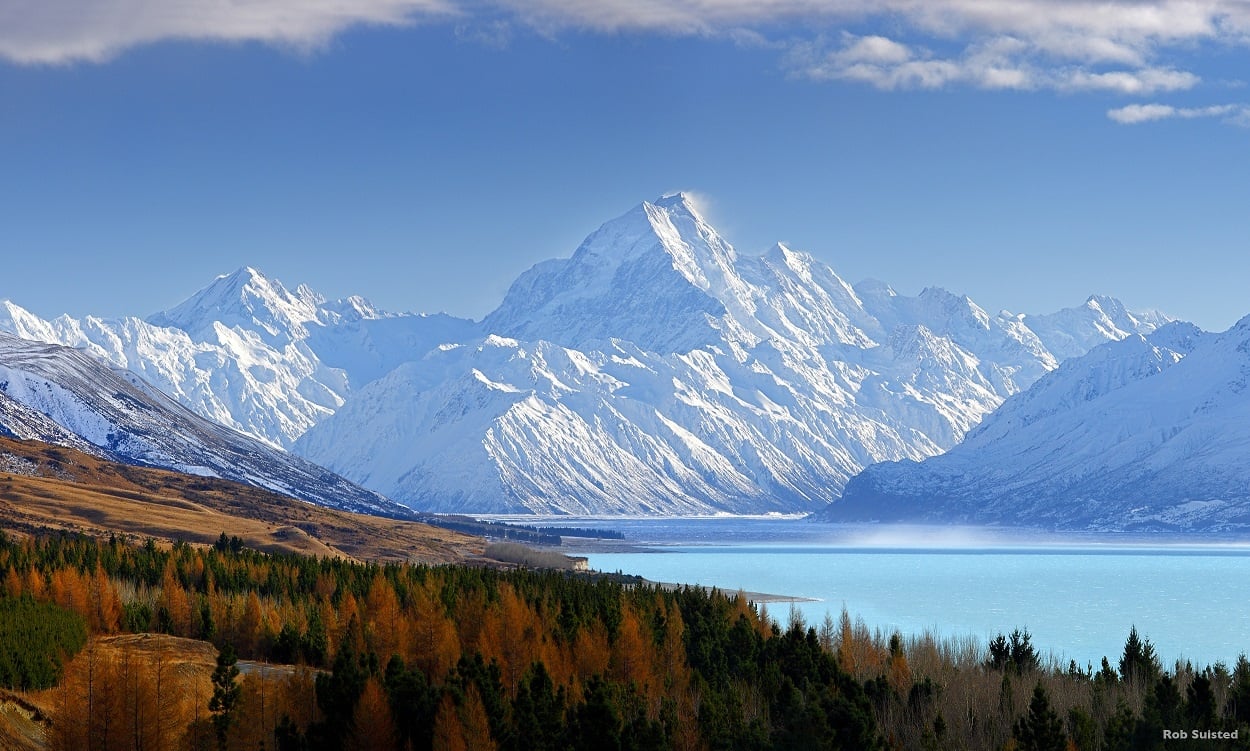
(656, 371)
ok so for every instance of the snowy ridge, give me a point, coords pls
(66, 396)
(1147, 432)
(656, 370)
(249, 354)
(1073, 331)
(245, 300)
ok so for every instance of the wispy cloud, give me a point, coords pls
(1115, 30)
(1143, 81)
(676, 16)
(60, 31)
(1237, 114)
(1128, 47)
(889, 64)
(1000, 63)
(1116, 46)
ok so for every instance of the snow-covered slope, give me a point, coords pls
(248, 353)
(26, 424)
(658, 371)
(502, 425)
(66, 396)
(1149, 431)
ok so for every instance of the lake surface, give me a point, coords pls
(1078, 596)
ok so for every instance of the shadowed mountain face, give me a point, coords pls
(655, 371)
(66, 396)
(1145, 433)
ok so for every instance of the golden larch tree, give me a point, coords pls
(373, 726)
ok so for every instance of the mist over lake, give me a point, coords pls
(1077, 595)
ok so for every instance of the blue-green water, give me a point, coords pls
(1077, 597)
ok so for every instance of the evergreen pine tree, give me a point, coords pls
(226, 693)
(1200, 703)
(1041, 729)
(1118, 732)
(1139, 662)
(1239, 692)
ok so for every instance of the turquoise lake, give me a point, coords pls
(1077, 596)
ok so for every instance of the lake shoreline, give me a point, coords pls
(1078, 595)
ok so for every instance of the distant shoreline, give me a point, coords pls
(758, 597)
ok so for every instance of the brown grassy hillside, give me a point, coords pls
(46, 486)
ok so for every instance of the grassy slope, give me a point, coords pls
(55, 487)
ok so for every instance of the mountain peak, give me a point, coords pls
(1105, 303)
(1071, 332)
(237, 284)
(656, 275)
(943, 295)
(247, 299)
(679, 200)
(676, 221)
(244, 272)
(352, 308)
(241, 278)
(780, 251)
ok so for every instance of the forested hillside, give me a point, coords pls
(412, 656)
(141, 643)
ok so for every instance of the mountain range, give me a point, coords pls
(655, 371)
(1145, 433)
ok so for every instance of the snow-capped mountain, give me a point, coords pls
(659, 371)
(1148, 432)
(1072, 332)
(249, 354)
(656, 370)
(67, 396)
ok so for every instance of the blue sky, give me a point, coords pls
(423, 153)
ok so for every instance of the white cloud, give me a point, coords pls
(1237, 114)
(875, 60)
(1140, 113)
(999, 63)
(59, 31)
(874, 50)
(1114, 46)
(1128, 47)
(677, 16)
(1116, 31)
(1141, 82)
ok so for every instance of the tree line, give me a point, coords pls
(348, 655)
(409, 656)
